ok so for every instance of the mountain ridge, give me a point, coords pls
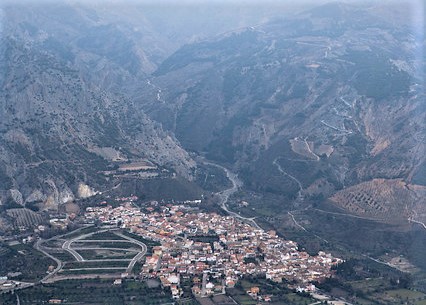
(305, 109)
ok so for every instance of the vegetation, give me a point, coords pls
(105, 254)
(24, 259)
(162, 189)
(95, 291)
(212, 178)
(108, 235)
(376, 76)
(89, 264)
(25, 217)
(279, 292)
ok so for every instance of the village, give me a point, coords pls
(212, 250)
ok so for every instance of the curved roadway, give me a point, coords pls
(67, 246)
(225, 194)
(139, 255)
(59, 264)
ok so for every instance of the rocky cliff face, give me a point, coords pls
(60, 105)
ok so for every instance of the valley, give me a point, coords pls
(306, 120)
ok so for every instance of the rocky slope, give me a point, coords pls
(73, 78)
(328, 99)
(58, 109)
(301, 107)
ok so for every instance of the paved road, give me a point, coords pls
(225, 194)
(82, 276)
(108, 260)
(67, 246)
(59, 264)
(139, 255)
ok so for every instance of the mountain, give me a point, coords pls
(333, 97)
(61, 122)
(321, 113)
(73, 77)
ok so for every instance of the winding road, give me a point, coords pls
(280, 169)
(139, 255)
(418, 222)
(72, 250)
(67, 246)
(317, 158)
(226, 194)
(300, 197)
(58, 262)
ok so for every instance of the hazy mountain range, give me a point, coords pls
(325, 103)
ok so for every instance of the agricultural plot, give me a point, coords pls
(93, 291)
(63, 255)
(378, 199)
(280, 294)
(25, 218)
(303, 148)
(96, 264)
(369, 286)
(400, 296)
(54, 243)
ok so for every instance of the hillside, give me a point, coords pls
(61, 123)
(333, 96)
(320, 113)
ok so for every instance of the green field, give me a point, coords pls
(279, 292)
(89, 264)
(54, 243)
(96, 291)
(400, 296)
(92, 273)
(245, 299)
(63, 256)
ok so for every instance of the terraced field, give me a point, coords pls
(25, 217)
(389, 201)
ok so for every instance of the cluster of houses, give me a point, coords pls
(219, 249)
